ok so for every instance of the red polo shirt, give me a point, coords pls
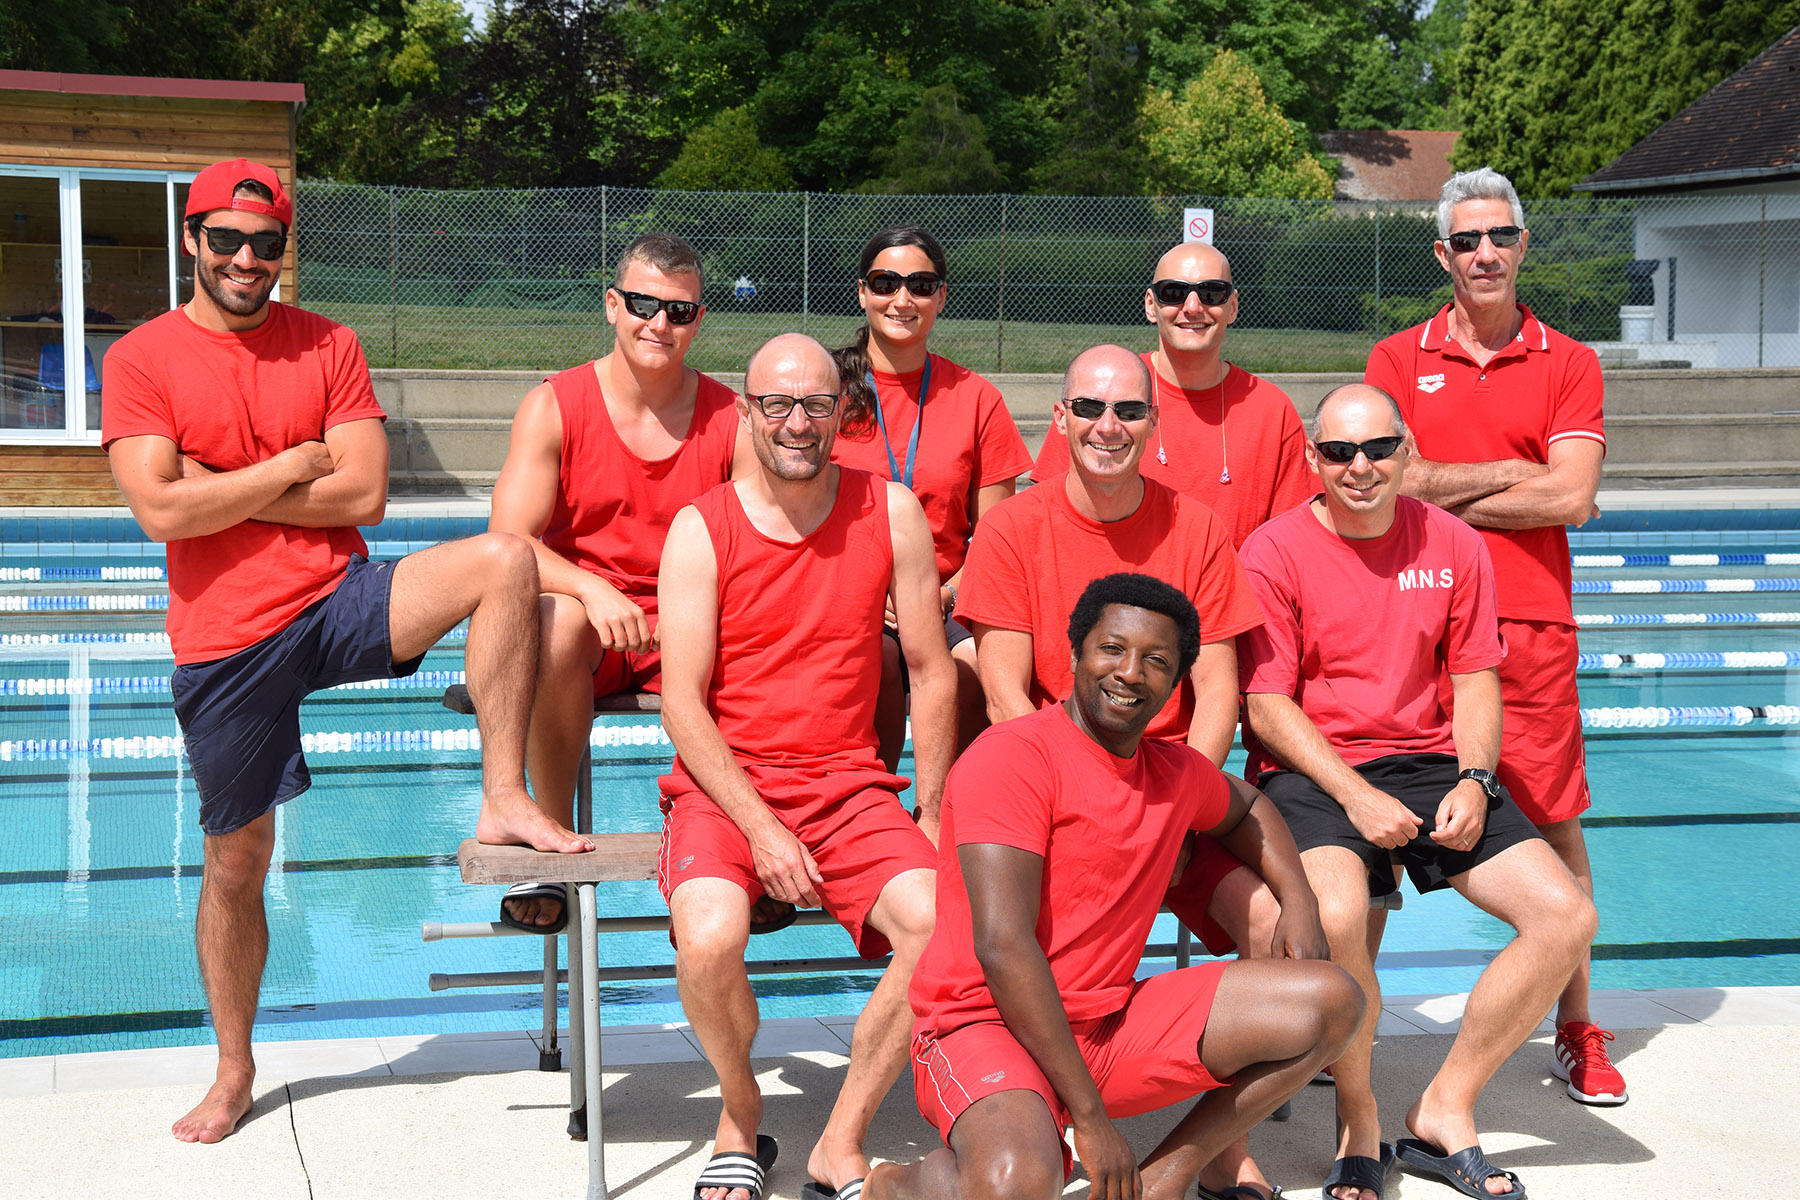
(1542, 388)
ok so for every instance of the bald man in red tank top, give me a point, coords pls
(772, 590)
(602, 457)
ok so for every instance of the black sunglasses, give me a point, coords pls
(644, 307)
(919, 283)
(222, 239)
(1174, 292)
(1466, 240)
(1090, 409)
(777, 407)
(1375, 449)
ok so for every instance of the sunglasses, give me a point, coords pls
(1174, 292)
(222, 239)
(1090, 409)
(1375, 449)
(644, 307)
(919, 283)
(777, 407)
(1466, 240)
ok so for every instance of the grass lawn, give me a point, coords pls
(493, 339)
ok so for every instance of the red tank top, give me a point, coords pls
(798, 661)
(613, 508)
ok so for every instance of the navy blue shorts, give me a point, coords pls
(240, 715)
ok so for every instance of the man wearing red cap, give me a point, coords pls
(245, 434)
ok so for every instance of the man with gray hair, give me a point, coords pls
(1370, 599)
(1506, 421)
(772, 589)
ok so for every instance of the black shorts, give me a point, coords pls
(240, 715)
(1420, 782)
(955, 633)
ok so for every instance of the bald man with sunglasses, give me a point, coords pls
(601, 459)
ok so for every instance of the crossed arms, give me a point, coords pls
(1512, 493)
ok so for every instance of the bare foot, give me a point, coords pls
(514, 819)
(732, 1135)
(833, 1164)
(534, 910)
(1450, 1132)
(216, 1117)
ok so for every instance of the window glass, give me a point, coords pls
(124, 267)
(32, 384)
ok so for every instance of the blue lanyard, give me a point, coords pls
(912, 444)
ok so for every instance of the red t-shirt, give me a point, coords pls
(1108, 830)
(1360, 632)
(1034, 555)
(1262, 443)
(613, 508)
(799, 646)
(1542, 388)
(968, 442)
(228, 401)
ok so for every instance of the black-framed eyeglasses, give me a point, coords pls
(1174, 292)
(268, 245)
(777, 407)
(1090, 409)
(644, 307)
(1375, 449)
(1465, 240)
(923, 284)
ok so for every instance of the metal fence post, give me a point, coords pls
(1671, 297)
(1000, 308)
(393, 278)
(606, 333)
(1380, 326)
(1762, 276)
(805, 260)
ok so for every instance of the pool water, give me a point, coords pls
(1694, 833)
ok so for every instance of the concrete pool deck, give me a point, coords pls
(467, 1115)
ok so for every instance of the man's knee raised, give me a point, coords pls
(1012, 1175)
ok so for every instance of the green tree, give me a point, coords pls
(1405, 85)
(1091, 93)
(1220, 136)
(70, 35)
(726, 155)
(941, 151)
(1551, 92)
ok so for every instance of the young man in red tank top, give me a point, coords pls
(772, 590)
(602, 458)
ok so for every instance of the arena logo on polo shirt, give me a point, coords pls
(1426, 578)
(1430, 383)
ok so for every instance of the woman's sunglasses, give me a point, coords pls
(920, 283)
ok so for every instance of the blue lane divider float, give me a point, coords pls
(1630, 587)
(1675, 660)
(1686, 560)
(94, 602)
(125, 685)
(82, 574)
(144, 638)
(1591, 620)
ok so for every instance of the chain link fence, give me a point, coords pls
(517, 279)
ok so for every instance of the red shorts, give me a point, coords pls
(623, 671)
(1542, 761)
(1143, 1057)
(860, 842)
(1190, 898)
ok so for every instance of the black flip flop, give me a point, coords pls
(536, 891)
(1360, 1171)
(733, 1169)
(1238, 1191)
(1466, 1170)
(812, 1189)
(786, 914)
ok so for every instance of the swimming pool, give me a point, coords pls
(1695, 830)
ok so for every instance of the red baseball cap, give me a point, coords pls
(215, 188)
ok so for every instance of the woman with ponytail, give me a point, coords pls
(940, 429)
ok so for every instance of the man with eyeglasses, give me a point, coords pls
(772, 590)
(601, 459)
(1225, 437)
(1029, 562)
(1371, 599)
(245, 434)
(1507, 417)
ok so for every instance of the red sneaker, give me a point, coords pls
(1581, 1062)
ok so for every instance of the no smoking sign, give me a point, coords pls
(1197, 225)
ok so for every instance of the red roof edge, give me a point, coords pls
(144, 85)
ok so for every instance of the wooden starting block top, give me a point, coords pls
(618, 857)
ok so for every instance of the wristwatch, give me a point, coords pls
(1490, 782)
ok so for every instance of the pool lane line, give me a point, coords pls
(1771, 619)
(1589, 561)
(1653, 587)
(1743, 660)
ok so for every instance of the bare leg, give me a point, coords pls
(971, 704)
(1245, 908)
(711, 919)
(1527, 887)
(1004, 1145)
(879, 1045)
(231, 937)
(1341, 882)
(1273, 1025)
(492, 580)
(1565, 838)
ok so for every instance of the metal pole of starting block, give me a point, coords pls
(590, 1035)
